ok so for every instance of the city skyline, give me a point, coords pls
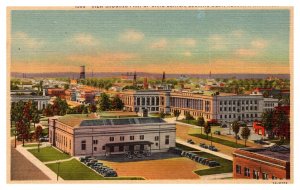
(177, 41)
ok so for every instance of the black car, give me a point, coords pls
(213, 148)
(190, 141)
(213, 164)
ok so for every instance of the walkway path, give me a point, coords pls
(219, 154)
(216, 176)
(48, 172)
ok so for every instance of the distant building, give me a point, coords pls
(98, 137)
(262, 163)
(270, 104)
(57, 92)
(82, 72)
(154, 101)
(42, 101)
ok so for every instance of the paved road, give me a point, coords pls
(23, 169)
(219, 154)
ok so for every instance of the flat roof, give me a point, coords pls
(84, 120)
(121, 121)
(280, 152)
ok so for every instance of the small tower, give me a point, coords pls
(82, 72)
(146, 85)
(163, 80)
(134, 79)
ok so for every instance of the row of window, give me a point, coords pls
(255, 173)
(122, 138)
(238, 102)
(238, 110)
(62, 140)
(234, 116)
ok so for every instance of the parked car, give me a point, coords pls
(213, 164)
(190, 141)
(213, 148)
(217, 132)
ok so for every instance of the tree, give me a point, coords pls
(35, 113)
(236, 129)
(162, 114)
(200, 122)
(116, 103)
(267, 122)
(104, 102)
(207, 129)
(37, 134)
(92, 108)
(176, 113)
(245, 134)
(188, 116)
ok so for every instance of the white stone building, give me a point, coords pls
(98, 137)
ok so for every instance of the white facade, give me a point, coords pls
(270, 103)
(42, 101)
(99, 140)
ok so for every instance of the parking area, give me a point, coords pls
(160, 166)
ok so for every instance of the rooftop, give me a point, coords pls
(84, 120)
(280, 152)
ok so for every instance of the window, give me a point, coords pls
(255, 174)
(220, 116)
(233, 108)
(131, 138)
(156, 138)
(83, 145)
(122, 138)
(70, 144)
(156, 144)
(141, 137)
(247, 172)
(220, 102)
(225, 102)
(274, 177)
(229, 109)
(95, 141)
(111, 138)
(225, 116)
(238, 169)
(103, 147)
(221, 108)
(265, 176)
(95, 148)
(167, 140)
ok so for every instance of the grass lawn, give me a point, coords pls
(31, 145)
(191, 122)
(48, 154)
(45, 131)
(218, 140)
(74, 170)
(226, 165)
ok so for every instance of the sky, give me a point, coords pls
(174, 41)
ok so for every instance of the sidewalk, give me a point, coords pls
(204, 150)
(48, 172)
(216, 176)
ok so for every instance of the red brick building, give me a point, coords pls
(269, 163)
(58, 92)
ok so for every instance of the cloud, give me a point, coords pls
(159, 44)
(187, 53)
(216, 42)
(246, 52)
(259, 43)
(84, 39)
(238, 33)
(132, 36)
(102, 59)
(189, 42)
(22, 39)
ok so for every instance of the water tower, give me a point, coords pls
(82, 72)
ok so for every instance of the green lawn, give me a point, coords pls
(48, 154)
(226, 165)
(31, 145)
(218, 140)
(74, 170)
